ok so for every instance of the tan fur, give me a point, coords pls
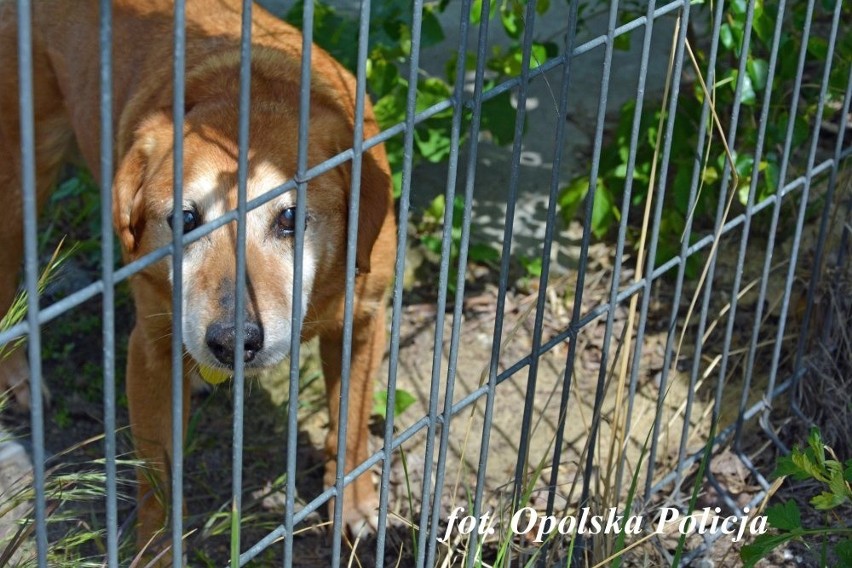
(66, 60)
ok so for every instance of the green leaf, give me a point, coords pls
(432, 243)
(682, 184)
(785, 516)
(434, 144)
(483, 253)
(771, 175)
(818, 48)
(436, 208)
(836, 481)
(476, 10)
(396, 177)
(390, 109)
(763, 25)
(806, 464)
(538, 56)
(726, 36)
(513, 22)
(572, 196)
(382, 73)
(431, 32)
(757, 72)
(402, 401)
(602, 215)
(710, 175)
(747, 94)
(531, 265)
(498, 118)
(761, 547)
(431, 91)
(826, 500)
(739, 7)
(817, 447)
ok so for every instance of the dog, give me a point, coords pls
(66, 100)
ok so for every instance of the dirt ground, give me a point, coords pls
(72, 369)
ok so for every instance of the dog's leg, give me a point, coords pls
(53, 136)
(14, 371)
(360, 500)
(149, 396)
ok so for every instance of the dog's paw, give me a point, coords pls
(15, 379)
(362, 518)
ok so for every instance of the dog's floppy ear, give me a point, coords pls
(375, 199)
(128, 212)
(334, 132)
(127, 200)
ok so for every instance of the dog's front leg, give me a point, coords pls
(149, 395)
(360, 500)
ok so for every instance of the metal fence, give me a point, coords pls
(440, 417)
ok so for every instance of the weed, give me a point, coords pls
(611, 181)
(818, 463)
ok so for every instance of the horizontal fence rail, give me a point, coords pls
(636, 273)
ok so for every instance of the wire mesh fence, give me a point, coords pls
(680, 345)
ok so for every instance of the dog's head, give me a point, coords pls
(145, 215)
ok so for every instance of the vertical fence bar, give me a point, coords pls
(351, 251)
(619, 253)
(584, 247)
(745, 235)
(782, 176)
(452, 171)
(697, 174)
(541, 300)
(298, 266)
(107, 264)
(239, 304)
(31, 273)
(177, 287)
(440, 314)
(399, 269)
(505, 255)
(721, 211)
(559, 143)
(767, 264)
(803, 205)
(671, 117)
(823, 231)
(761, 135)
(526, 420)
(408, 155)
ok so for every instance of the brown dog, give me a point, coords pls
(66, 60)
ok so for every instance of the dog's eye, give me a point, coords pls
(286, 223)
(191, 219)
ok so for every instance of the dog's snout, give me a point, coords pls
(222, 341)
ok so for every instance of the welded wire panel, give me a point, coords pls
(635, 279)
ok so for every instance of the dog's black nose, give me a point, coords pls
(221, 339)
